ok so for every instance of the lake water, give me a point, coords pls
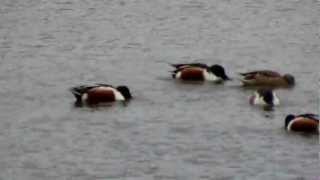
(170, 130)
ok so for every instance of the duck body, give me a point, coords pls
(308, 123)
(100, 93)
(199, 72)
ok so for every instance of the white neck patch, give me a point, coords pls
(210, 76)
(118, 95)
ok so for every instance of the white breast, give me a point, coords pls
(210, 76)
(290, 124)
(118, 95)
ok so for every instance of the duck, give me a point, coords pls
(100, 93)
(199, 72)
(267, 78)
(264, 97)
(308, 123)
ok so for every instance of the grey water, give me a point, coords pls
(170, 130)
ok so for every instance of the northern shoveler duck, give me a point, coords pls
(100, 93)
(199, 72)
(302, 123)
(267, 78)
(264, 97)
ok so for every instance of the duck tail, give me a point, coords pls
(173, 75)
(78, 91)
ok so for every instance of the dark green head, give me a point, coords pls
(219, 71)
(289, 79)
(124, 90)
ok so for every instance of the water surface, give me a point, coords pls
(170, 130)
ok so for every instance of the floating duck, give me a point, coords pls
(264, 97)
(100, 93)
(267, 78)
(199, 72)
(303, 123)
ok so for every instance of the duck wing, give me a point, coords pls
(265, 73)
(186, 65)
(310, 116)
(103, 85)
